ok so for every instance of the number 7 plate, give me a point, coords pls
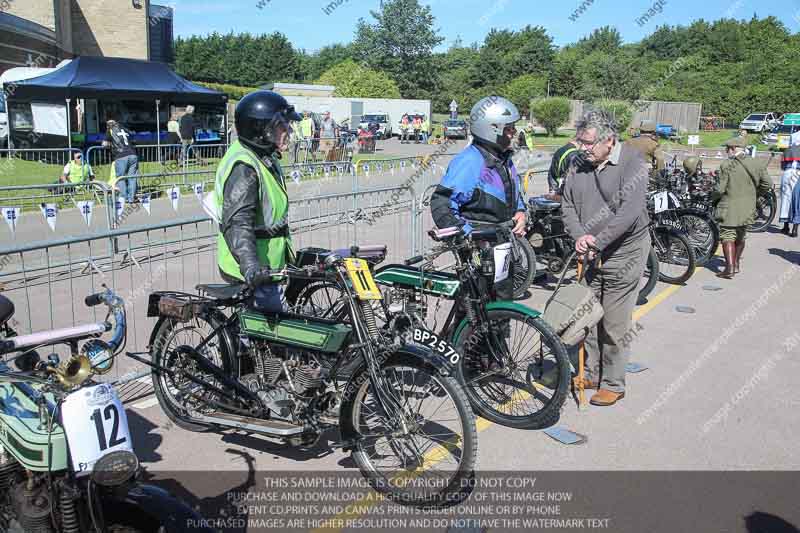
(95, 423)
(361, 277)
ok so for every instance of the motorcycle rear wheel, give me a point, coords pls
(171, 335)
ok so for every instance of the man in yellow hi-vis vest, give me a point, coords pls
(251, 199)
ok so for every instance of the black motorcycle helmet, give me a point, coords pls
(258, 119)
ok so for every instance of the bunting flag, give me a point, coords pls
(119, 206)
(379, 167)
(366, 170)
(327, 170)
(145, 200)
(50, 212)
(175, 196)
(85, 208)
(11, 215)
(198, 191)
(296, 176)
(402, 166)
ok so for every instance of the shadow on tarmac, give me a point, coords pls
(758, 522)
(791, 256)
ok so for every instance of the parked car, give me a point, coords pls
(454, 128)
(773, 136)
(760, 122)
(383, 122)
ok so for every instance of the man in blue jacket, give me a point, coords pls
(481, 186)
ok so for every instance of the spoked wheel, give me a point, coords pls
(524, 267)
(419, 454)
(515, 374)
(766, 206)
(649, 278)
(174, 342)
(321, 299)
(702, 232)
(676, 261)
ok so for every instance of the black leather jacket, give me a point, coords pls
(241, 198)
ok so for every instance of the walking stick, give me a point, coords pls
(581, 357)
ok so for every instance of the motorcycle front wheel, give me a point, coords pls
(676, 261)
(523, 382)
(422, 460)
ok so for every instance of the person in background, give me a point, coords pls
(564, 159)
(306, 126)
(327, 134)
(76, 171)
(740, 179)
(526, 141)
(790, 164)
(126, 162)
(173, 136)
(405, 129)
(417, 126)
(605, 212)
(647, 144)
(186, 131)
(426, 128)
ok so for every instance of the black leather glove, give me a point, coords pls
(258, 276)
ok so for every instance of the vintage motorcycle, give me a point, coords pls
(66, 458)
(554, 247)
(514, 370)
(399, 411)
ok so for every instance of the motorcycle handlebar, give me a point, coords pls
(94, 299)
(414, 260)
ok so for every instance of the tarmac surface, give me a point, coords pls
(717, 394)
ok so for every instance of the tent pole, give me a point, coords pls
(69, 126)
(158, 131)
(225, 133)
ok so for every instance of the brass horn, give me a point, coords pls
(73, 371)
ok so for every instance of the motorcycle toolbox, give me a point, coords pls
(22, 435)
(302, 332)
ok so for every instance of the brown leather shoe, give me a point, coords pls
(605, 397)
(590, 383)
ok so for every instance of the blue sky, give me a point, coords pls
(307, 26)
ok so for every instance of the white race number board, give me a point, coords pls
(502, 261)
(661, 200)
(96, 424)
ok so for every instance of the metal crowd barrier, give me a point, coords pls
(47, 280)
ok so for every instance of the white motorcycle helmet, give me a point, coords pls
(489, 117)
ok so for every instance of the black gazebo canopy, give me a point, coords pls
(117, 78)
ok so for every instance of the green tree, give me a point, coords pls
(621, 111)
(551, 113)
(523, 89)
(605, 39)
(400, 42)
(355, 81)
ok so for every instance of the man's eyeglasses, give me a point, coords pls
(78, 156)
(587, 144)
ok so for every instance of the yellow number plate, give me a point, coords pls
(361, 277)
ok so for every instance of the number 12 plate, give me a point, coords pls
(95, 422)
(361, 277)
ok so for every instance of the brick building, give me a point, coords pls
(43, 32)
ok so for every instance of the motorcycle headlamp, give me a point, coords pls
(115, 468)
